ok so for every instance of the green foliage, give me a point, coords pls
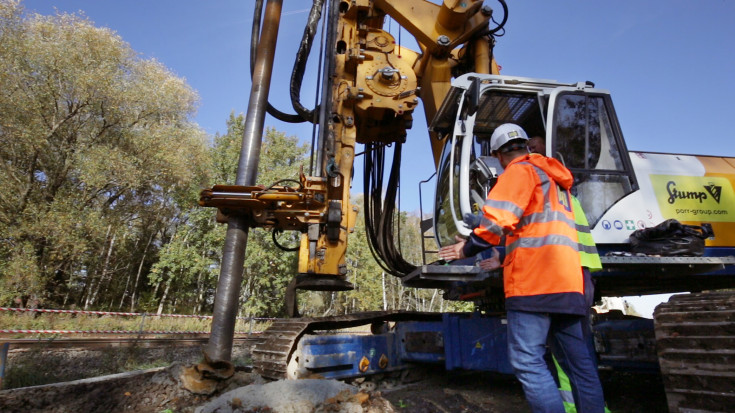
(374, 289)
(102, 167)
(22, 272)
(363, 271)
(97, 147)
(267, 269)
(189, 264)
(83, 322)
(188, 260)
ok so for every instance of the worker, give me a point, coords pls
(590, 261)
(537, 144)
(531, 206)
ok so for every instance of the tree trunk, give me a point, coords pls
(125, 291)
(140, 270)
(399, 296)
(354, 281)
(69, 286)
(200, 290)
(433, 296)
(155, 290)
(92, 286)
(385, 298)
(331, 303)
(163, 298)
(127, 281)
(106, 274)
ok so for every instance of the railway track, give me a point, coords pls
(30, 362)
(93, 343)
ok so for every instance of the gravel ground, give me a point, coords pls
(430, 390)
(490, 392)
(159, 390)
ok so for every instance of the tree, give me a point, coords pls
(96, 143)
(374, 289)
(268, 269)
(102, 166)
(189, 265)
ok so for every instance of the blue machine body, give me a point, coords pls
(339, 356)
(475, 342)
(459, 342)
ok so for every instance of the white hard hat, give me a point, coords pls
(505, 133)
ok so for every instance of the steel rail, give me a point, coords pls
(25, 343)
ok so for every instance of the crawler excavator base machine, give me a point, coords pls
(369, 89)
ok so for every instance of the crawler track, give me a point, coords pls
(271, 356)
(695, 336)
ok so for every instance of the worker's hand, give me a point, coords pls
(454, 251)
(491, 263)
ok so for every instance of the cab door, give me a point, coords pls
(466, 170)
(586, 137)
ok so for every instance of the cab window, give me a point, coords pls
(586, 140)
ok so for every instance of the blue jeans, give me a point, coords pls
(527, 335)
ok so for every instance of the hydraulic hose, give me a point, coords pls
(505, 18)
(297, 74)
(380, 213)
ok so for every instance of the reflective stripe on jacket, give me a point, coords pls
(587, 249)
(531, 205)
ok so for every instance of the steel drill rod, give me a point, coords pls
(226, 299)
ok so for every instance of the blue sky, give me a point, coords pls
(670, 64)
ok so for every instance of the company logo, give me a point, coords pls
(675, 193)
(714, 190)
(695, 198)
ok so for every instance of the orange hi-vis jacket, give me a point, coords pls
(531, 205)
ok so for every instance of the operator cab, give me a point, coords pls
(577, 121)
